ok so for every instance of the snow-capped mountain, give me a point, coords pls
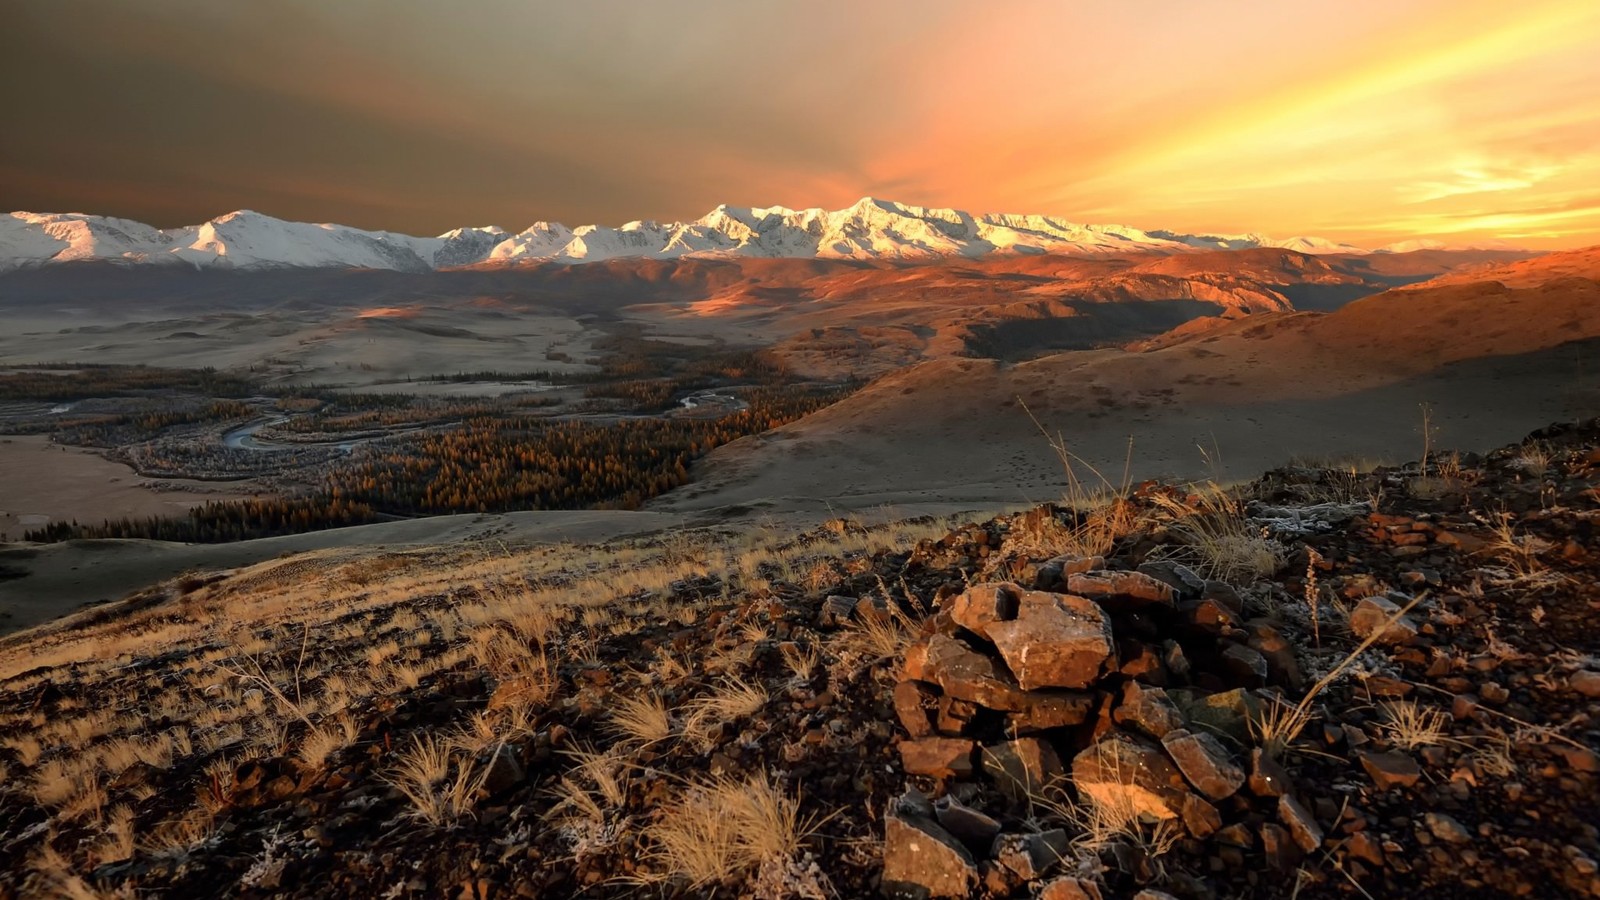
(869, 229)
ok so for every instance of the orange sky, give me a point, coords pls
(1362, 120)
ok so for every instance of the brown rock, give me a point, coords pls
(1121, 589)
(1148, 709)
(1201, 818)
(965, 674)
(1585, 682)
(1056, 640)
(1204, 762)
(1363, 846)
(1243, 666)
(503, 770)
(1303, 827)
(1069, 888)
(1024, 768)
(1225, 712)
(1141, 663)
(1153, 894)
(1126, 774)
(976, 608)
(1182, 579)
(952, 716)
(1372, 616)
(1211, 615)
(1282, 666)
(836, 611)
(1030, 855)
(913, 703)
(938, 757)
(922, 860)
(1391, 770)
(1446, 828)
(1280, 849)
(1267, 777)
(1051, 709)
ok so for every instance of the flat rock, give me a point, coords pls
(1122, 589)
(1056, 641)
(1050, 709)
(982, 605)
(1302, 826)
(1391, 770)
(1585, 682)
(1030, 855)
(1123, 773)
(1204, 762)
(1180, 577)
(922, 860)
(1069, 888)
(1225, 712)
(973, 828)
(914, 702)
(1446, 828)
(938, 757)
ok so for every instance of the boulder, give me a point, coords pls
(1056, 641)
(914, 702)
(981, 605)
(1050, 709)
(1204, 762)
(965, 674)
(1125, 774)
(921, 860)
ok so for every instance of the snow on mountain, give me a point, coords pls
(868, 229)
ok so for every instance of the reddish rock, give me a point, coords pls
(1148, 709)
(1201, 818)
(981, 605)
(1372, 616)
(1585, 682)
(1267, 777)
(965, 674)
(1446, 828)
(922, 860)
(1204, 762)
(1391, 770)
(1050, 709)
(1243, 666)
(1282, 666)
(953, 716)
(1054, 571)
(1303, 827)
(913, 704)
(938, 757)
(1124, 773)
(1183, 580)
(1281, 851)
(1056, 640)
(1211, 615)
(1030, 855)
(1024, 768)
(1130, 589)
(1070, 889)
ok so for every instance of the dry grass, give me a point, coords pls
(423, 775)
(642, 720)
(732, 699)
(1218, 540)
(1412, 727)
(721, 827)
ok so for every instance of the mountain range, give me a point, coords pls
(868, 229)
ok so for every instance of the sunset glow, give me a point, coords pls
(1365, 121)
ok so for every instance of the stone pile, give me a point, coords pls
(1132, 690)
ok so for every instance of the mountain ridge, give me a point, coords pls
(871, 229)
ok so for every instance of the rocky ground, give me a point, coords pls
(1326, 683)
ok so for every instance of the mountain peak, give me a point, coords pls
(870, 228)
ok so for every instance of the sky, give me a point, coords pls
(1369, 121)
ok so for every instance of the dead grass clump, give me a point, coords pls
(732, 699)
(424, 776)
(720, 828)
(642, 720)
(1411, 726)
(1218, 540)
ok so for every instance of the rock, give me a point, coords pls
(1391, 770)
(965, 674)
(1069, 888)
(1201, 818)
(1182, 579)
(1225, 594)
(1148, 709)
(952, 717)
(1243, 666)
(973, 828)
(1056, 640)
(836, 611)
(1140, 662)
(1030, 855)
(1204, 762)
(1054, 571)
(914, 702)
(1493, 693)
(1267, 777)
(1226, 712)
(981, 605)
(1303, 827)
(1050, 709)
(1282, 666)
(1585, 682)
(1121, 590)
(1281, 851)
(1371, 617)
(1174, 660)
(1153, 894)
(1446, 828)
(1024, 768)
(1125, 774)
(1210, 615)
(922, 860)
(1363, 846)
(504, 771)
(938, 757)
